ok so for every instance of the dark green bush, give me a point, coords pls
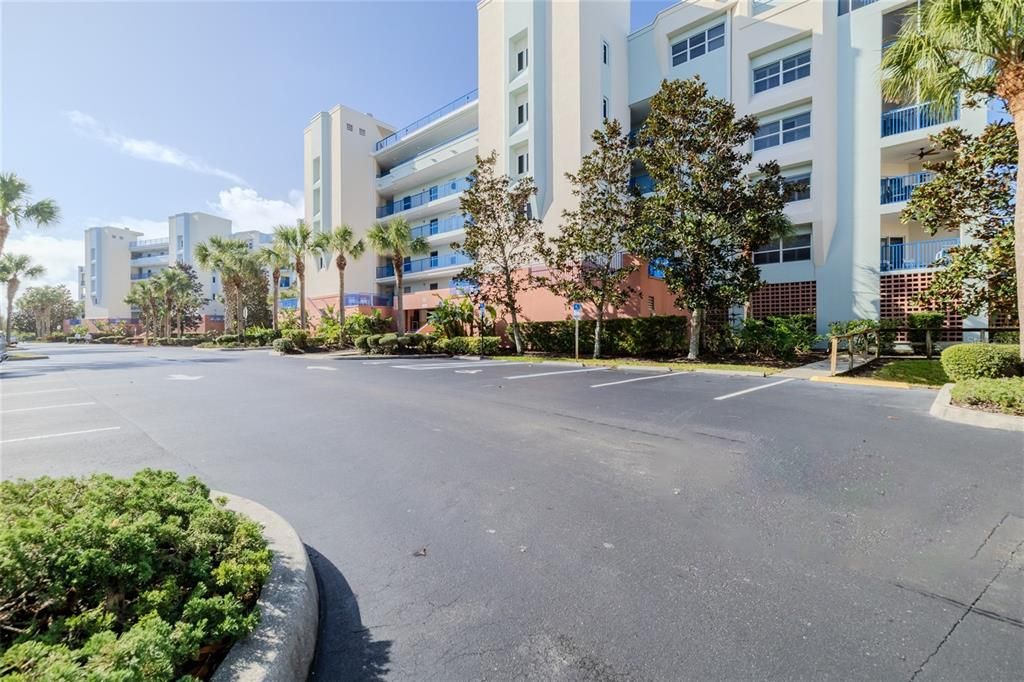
(1006, 337)
(923, 321)
(109, 339)
(56, 337)
(373, 342)
(262, 336)
(358, 324)
(469, 345)
(1005, 395)
(663, 335)
(387, 344)
(777, 337)
(886, 338)
(283, 345)
(226, 338)
(299, 337)
(122, 579)
(361, 342)
(981, 361)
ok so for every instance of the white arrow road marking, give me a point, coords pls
(45, 407)
(327, 369)
(468, 371)
(58, 435)
(750, 390)
(184, 377)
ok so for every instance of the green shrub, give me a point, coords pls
(283, 346)
(373, 342)
(330, 330)
(417, 343)
(226, 338)
(1006, 337)
(56, 337)
(923, 321)
(109, 339)
(299, 337)
(886, 338)
(361, 342)
(122, 579)
(981, 361)
(1005, 395)
(358, 324)
(663, 335)
(777, 337)
(469, 345)
(387, 344)
(262, 336)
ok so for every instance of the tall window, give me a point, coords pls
(785, 70)
(789, 129)
(523, 113)
(698, 44)
(523, 163)
(316, 201)
(604, 52)
(796, 247)
(522, 59)
(316, 169)
(798, 187)
(604, 107)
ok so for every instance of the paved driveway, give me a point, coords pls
(584, 525)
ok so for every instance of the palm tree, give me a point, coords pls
(394, 239)
(974, 47)
(236, 264)
(342, 243)
(299, 242)
(14, 268)
(145, 296)
(275, 258)
(173, 285)
(15, 206)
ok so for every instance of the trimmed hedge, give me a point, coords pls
(469, 345)
(662, 335)
(283, 345)
(981, 361)
(142, 578)
(299, 337)
(777, 337)
(1003, 395)
(361, 342)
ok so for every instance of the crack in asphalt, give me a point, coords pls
(991, 533)
(970, 609)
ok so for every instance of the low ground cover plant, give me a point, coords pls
(981, 361)
(996, 395)
(470, 345)
(142, 578)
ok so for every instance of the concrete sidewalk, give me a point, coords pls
(823, 368)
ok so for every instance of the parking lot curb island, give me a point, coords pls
(281, 647)
(943, 408)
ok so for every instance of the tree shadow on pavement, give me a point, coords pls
(345, 649)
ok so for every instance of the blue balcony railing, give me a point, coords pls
(446, 260)
(449, 224)
(142, 275)
(916, 255)
(915, 117)
(847, 6)
(399, 135)
(642, 183)
(422, 198)
(367, 300)
(898, 188)
(147, 242)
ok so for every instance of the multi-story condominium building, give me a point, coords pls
(550, 72)
(116, 258)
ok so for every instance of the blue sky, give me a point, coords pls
(127, 112)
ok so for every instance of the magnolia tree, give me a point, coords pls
(708, 213)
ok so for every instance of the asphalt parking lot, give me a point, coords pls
(586, 524)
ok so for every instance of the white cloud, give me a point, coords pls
(247, 210)
(148, 150)
(61, 258)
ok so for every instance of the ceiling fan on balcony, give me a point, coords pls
(923, 152)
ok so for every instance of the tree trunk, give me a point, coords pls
(12, 291)
(5, 229)
(300, 272)
(696, 323)
(1016, 107)
(598, 319)
(276, 277)
(181, 330)
(515, 331)
(398, 293)
(341, 292)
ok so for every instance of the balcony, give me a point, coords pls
(424, 264)
(915, 117)
(439, 113)
(142, 275)
(932, 253)
(449, 224)
(159, 259)
(372, 300)
(422, 198)
(142, 243)
(899, 188)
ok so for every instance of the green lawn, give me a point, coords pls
(924, 372)
(675, 366)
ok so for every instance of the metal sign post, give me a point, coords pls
(577, 313)
(483, 314)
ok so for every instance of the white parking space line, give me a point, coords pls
(322, 367)
(751, 390)
(450, 365)
(628, 381)
(46, 407)
(564, 371)
(5, 394)
(59, 435)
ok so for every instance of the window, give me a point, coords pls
(348, 127)
(433, 226)
(316, 169)
(316, 226)
(433, 286)
(433, 259)
(522, 59)
(181, 242)
(604, 53)
(796, 247)
(604, 107)
(523, 113)
(698, 44)
(785, 130)
(316, 201)
(362, 131)
(523, 163)
(785, 70)
(92, 252)
(406, 290)
(432, 193)
(798, 187)
(214, 280)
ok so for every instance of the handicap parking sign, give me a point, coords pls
(577, 311)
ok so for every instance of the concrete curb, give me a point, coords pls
(874, 383)
(943, 408)
(281, 647)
